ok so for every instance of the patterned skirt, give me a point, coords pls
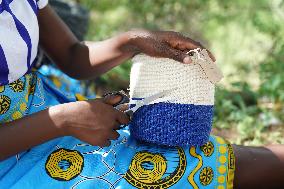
(70, 163)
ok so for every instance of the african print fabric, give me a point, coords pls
(70, 163)
(66, 83)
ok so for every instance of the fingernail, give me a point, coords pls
(187, 60)
(120, 106)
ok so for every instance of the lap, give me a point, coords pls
(127, 163)
(67, 162)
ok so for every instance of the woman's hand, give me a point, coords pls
(87, 60)
(166, 44)
(93, 121)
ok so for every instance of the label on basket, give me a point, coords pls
(209, 67)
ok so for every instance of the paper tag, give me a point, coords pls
(210, 68)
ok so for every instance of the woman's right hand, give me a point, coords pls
(93, 121)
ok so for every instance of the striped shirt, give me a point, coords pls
(19, 37)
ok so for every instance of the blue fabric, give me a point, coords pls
(66, 83)
(127, 163)
(173, 124)
(34, 6)
(7, 2)
(4, 70)
(4, 4)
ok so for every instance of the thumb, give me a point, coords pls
(177, 55)
(112, 100)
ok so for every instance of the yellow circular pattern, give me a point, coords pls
(220, 187)
(148, 175)
(221, 179)
(17, 115)
(206, 176)
(222, 159)
(140, 176)
(222, 169)
(2, 88)
(222, 149)
(207, 149)
(5, 103)
(73, 157)
(17, 86)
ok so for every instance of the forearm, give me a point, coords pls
(81, 60)
(88, 60)
(91, 59)
(22, 134)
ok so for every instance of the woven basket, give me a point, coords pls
(182, 117)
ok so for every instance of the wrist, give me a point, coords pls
(56, 114)
(130, 39)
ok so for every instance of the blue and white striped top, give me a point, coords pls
(19, 37)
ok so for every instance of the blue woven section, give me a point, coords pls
(173, 124)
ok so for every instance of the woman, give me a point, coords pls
(35, 115)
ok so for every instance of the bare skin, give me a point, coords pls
(86, 60)
(255, 167)
(259, 167)
(93, 121)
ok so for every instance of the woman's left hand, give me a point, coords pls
(167, 44)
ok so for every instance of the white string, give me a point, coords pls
(197, 52)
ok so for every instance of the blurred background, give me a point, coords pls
(246, 36)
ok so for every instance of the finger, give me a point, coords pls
(169, 52)
(122, 107)
(122, 94)
(183, 43)
(116, 125)
(112, 99)
(93, 137)
(100, 139)
(107, 143)
(122, 118)
(190, 44)
(179, 41)
(113, 135)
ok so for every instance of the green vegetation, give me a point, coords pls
(247, 38)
